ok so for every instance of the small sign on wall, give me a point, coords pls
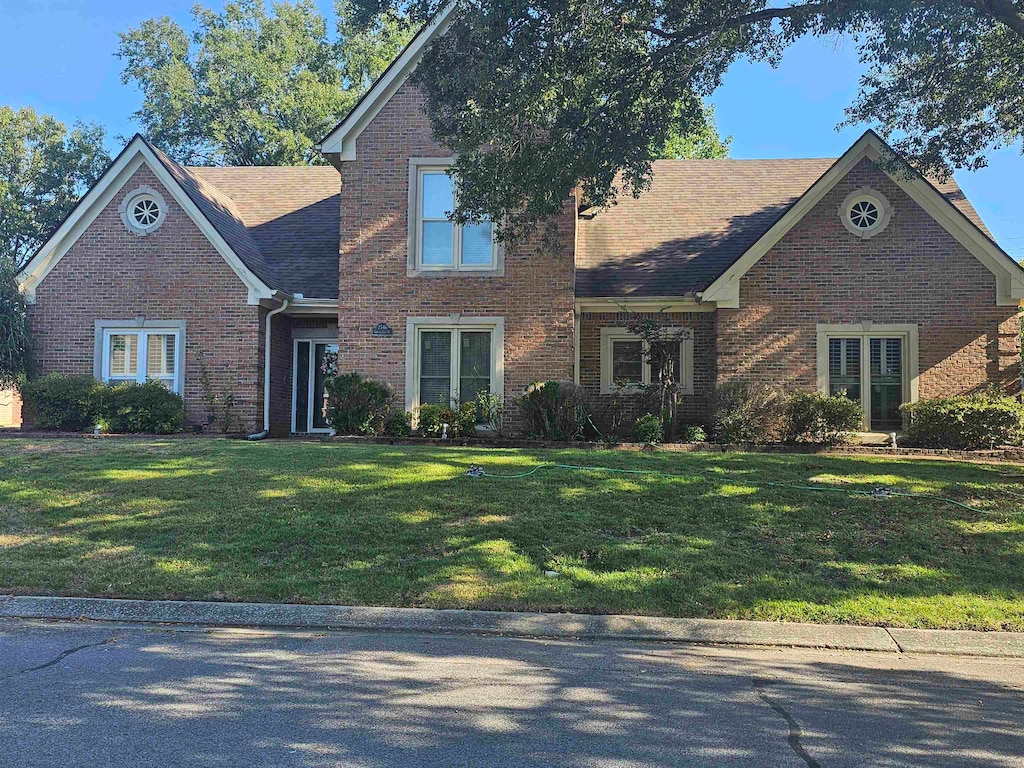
(383, 330)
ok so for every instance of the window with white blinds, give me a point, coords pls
(455, 365)
(142, 355)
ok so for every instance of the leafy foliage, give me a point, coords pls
(554, 410)
(967, 422)
(821, 419)
(64, 403)
(15, 344)
(536, 98)
(692, 433)
(44, 170)
(661, 351)
(133, 408)
(747, 413)
(359, 406)
(696, 142)
(648, 428)
(461, 420)
(252, 87)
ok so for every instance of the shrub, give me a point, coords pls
(464, 419)
(358, 406)
(399, 424)
(432, 419)
(821, 419)
(491, 411)
(554, 410)
(692, 433)
(648, 428)
(747, 413)
(130, 408)
(67, 403)
(965, 422)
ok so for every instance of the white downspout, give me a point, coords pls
(266, 373)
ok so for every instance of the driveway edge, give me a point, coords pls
(525, 625)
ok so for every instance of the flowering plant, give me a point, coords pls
(329, 367)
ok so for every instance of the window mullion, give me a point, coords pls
(142, 362)
(865, 378)
(456, 367)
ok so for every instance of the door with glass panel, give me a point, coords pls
(870, 371)
(454, 365)
(314, 363)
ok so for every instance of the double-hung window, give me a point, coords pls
(626, 362)
(141, 354)
(436, 243)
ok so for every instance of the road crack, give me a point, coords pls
(760, 688)
(59, 658)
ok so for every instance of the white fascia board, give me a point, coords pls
(1009, 280)
(135, 155)
(306, 306)
(342, 140)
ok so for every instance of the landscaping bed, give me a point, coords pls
(381, 524)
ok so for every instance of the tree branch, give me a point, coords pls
(766, 14)
(1003, 11)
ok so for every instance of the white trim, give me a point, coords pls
(342, 140)
(415, 325)
(864, 331)
(142, 329)
(418, 167)
(611, 334)
(313, 307)
(134, 156)
(314, 337)
(725, 290)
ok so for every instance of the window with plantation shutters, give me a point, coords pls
(141, 355)
(844, 368)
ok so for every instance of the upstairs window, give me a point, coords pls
(437, 242)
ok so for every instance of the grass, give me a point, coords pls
(383, 525)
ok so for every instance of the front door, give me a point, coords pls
(313, 364)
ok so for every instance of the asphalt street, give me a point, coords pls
(88, 694)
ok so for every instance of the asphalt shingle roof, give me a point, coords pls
(697, 218)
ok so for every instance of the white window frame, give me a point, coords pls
(416, 326)
(864, 331)
(312, 337)
(142, 330)
(418, 168)
(610, 335)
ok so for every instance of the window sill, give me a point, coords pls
(492, 272)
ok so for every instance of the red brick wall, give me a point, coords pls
(172, 274)
(692, 408)
(912, 272)
(535, 295)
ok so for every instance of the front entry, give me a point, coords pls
(314, 361)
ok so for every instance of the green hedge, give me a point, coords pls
(65, 403)
(360, 406)
(966, 422)
(132, 408)
(821, 419)
(77, 403)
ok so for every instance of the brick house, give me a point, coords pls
(813, 274)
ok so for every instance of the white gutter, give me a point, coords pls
(266, 372)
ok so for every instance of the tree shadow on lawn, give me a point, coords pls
(405, 526)
(386, 699)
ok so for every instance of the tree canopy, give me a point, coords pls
(537, 97)
(44, 170)
(250, 86)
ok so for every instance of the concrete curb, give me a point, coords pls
(527, 625)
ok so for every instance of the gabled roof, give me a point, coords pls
(704, 223)
(341, 141)
(278, 228)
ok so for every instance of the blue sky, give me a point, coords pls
(57, 56)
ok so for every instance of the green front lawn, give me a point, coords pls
(382, 525)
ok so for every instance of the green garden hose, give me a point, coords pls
(878, 493)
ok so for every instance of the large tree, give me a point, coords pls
(44, 170)
(250, 86)
(537, 97)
